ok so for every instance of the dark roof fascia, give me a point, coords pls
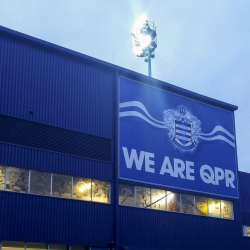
(121, 71)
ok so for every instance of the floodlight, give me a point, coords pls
(144, 40)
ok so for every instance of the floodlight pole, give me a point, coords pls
(149, 63)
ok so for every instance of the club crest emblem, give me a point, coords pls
(184, 128)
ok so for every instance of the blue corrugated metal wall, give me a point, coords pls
(66, 92)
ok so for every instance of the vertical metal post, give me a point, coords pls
(149, 62)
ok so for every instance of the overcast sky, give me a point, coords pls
(203, 45)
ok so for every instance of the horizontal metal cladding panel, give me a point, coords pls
(144, 228)
(244, 190)
(246, 243)
(246, 218)
(32, 134)
(54, 220)
(61, 90)
(54, 162)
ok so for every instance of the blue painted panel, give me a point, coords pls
(27, 217)
(61, 90)
(167, 139)
(144, 228)
(244, 180)
(54, 162)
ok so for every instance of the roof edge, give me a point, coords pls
(123, 71)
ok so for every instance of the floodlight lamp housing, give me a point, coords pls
(147, 29)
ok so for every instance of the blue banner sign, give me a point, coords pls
(173, 141)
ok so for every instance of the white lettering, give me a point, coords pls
(133, 158)
(207, 177)
(178, 170)
(218, 175)
(167, 167)
(189, 170)
(149, 162)
(229, 178)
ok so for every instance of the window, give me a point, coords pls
(61, 185)
(226, 210)
(82, 188)
(13, 245)
(201, 205)
(100, 191)
(214, 207)
(40, 182)
(17, 179)
(246, 230)
(158, 199)
(173, 202)
(57, 247)
(36, 246)
(142, 197)
(2, 177)
(126, 195)
(187, 204)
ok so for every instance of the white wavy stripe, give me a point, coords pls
(141, 106)
(219, 128)
(137, 114)
(217, 137)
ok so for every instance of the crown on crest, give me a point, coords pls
(182, 110)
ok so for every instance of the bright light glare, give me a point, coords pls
(140, 41)
(139, 24)
(84, 187)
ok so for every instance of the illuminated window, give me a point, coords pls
(81, 188)
(40, 182)
(100, 191)
(201, 205)
(227, 210)
(2, 177)
(57, 247)
(36, 246)
(61, 185)
(248, 231)
(77, 247)
(13, 245)
(187, 204)
(126, 195)
(142, 197)
(214, 207)
(17, 179)
(158, 198)
(173, 202)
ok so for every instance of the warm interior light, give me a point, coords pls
(84, 186)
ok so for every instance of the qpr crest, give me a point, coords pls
(184, 128)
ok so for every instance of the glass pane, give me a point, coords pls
(248, 231)
(243, 228)
(35, 246)
(40, 182)
(17, 179)
(57, 246)
(82, 188)
(214, 207)
(173, 202)
(2, 177)
(126, 195)
(13, 245)
(61, 185)
(100, 191)
(187, 204)
(227, 210)
(158, 199)
(78, 247)
(201, 205)
(142, 197)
